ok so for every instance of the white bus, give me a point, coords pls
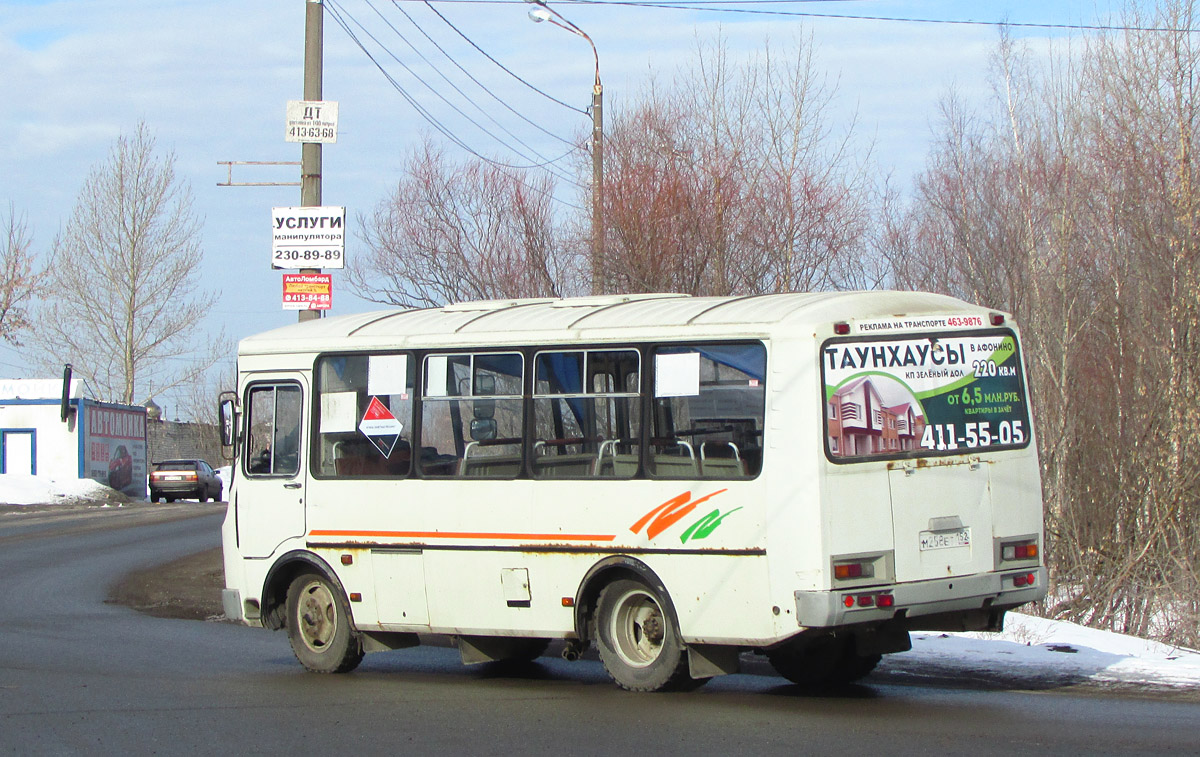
(676, 480)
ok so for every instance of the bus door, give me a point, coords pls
(270, 494)
(942, 516)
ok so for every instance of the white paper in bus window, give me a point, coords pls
(435, 376)
(339, 412)
(387, 374)
(677, 375)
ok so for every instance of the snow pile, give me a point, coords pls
(17, 489)
(1037, 652)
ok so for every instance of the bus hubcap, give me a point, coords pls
(317, 616)
(638, 629)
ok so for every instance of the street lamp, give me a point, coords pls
(542, 12)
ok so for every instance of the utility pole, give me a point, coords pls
(598, 282)
(310, 152)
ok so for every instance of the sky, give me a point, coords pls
(211, 79)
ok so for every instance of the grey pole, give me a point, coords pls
(599, 285)
(310, 153)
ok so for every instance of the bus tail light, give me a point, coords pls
(841, 329)
(1016, 551)
(997, 319)
(863, 569)
(874, 599)
(1025, 579)
(846, 570)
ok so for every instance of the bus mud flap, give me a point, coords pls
(884, 639)
(709, 660)
(384, 641)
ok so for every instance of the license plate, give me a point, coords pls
(959, 537)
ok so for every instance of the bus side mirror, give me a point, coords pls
(483, 430)
(227, 419)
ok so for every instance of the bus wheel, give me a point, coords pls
(638, 642)
(319, 626)
(823, 662)
(852, 667)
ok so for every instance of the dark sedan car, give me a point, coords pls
(184, 479)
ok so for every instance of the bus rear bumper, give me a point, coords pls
(924, 605)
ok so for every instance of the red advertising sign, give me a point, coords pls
(307, 291)
(115, 447)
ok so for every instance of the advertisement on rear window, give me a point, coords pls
(937, 394)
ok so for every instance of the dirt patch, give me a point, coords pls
(188, 588)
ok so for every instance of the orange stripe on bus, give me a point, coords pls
(463, 535)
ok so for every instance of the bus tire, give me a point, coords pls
(318, 624)
(824, 662)
(853, 667)
(638, 641)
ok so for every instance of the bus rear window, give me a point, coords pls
(937, 394)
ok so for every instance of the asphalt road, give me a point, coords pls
(81, 676)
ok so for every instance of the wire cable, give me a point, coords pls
(546, 161)
(502, 67)
(429, 117)
(493, 95)
(698, 5)
(707, 6)
(338, 13)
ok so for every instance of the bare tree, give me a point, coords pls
(1074, 202)
(462, 232)
(20, 278)
(124, 301)
(196, 400)
(734, 179)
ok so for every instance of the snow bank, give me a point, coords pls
(17, 489)
(1038, 651)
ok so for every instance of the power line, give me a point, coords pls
(483, 52)
(700, 5)
(472, 78)
(336, 12)
(340, 11)
(441, 128)
(711, 6)
(546, 161)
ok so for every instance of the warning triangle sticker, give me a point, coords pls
(380, 427)
(377, 412)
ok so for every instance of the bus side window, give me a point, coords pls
(587, 414)
(708, 420)
(364, 415)
(472, 415)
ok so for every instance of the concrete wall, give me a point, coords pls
(167, 440)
